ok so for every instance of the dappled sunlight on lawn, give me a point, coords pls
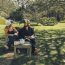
(57, 26)
(17, 25)
(2, 20)
(60, 25)
(8, 55)
(33, 59)
(2, 28)
(40, 27)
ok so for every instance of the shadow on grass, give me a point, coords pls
(21, 60)
(2, 50)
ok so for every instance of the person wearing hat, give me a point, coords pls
(10, 33)
(27, 33)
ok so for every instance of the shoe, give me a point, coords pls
(36, 50)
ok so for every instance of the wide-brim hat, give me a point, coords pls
(27, 22)
(8, 23)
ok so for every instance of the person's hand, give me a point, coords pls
(27, 37)
(6, 46)
(15, 33)
(32, 36)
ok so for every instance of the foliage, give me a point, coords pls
(17, 15)
(50, 7)
(48, 21)
(6, 7)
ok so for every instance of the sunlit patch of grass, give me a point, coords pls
(2, 20)
(39, 28)
(57, 26)
(17, 25)
(2, 29)
(7, 55)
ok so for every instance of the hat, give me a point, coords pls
(8, 23)
(26, 22)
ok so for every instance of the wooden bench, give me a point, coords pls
(26, 45)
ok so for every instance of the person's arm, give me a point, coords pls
(32, 31)
(16, 32)
(21, 33)
(32, 35)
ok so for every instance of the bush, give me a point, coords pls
(63, 21)
(48, 21)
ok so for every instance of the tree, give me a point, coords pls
(7, 6)
(17, 15)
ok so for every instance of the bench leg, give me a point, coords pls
(15, 55)
(29, 52)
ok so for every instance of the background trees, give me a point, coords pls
(33, 9)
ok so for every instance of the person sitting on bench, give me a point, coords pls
(27, 33)
(11, 34)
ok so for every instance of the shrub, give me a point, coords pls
(63, 21)
(48, 21)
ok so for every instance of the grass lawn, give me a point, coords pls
(57, 26)
(41, 27)
(24, 60)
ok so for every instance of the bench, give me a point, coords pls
(26, 45)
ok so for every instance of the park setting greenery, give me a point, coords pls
(47, 17)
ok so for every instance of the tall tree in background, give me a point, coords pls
(47, 8)
(6, 6)
(33, 10)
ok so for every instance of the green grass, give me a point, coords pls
(2, 30)
(57, 26)
(39, 28)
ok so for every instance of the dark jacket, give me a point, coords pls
(23, 32)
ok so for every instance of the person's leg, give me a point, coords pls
(9, 46)
(16, 38)
(10, 42)
(33, 43)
